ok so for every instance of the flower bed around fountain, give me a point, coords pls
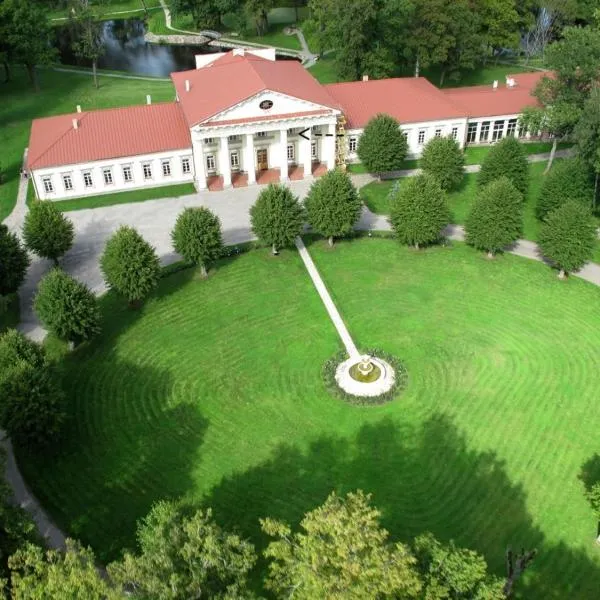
(381, 383)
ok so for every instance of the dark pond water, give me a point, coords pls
(126, 50)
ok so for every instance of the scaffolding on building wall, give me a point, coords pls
(340, 142)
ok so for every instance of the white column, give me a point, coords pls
(199, 164)
(225, 161)
(329, 146)
(249, 159)
(505, 128)
(283, 160)
(305, 152)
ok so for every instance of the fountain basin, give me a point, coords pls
(354, 379)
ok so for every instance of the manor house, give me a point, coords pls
(243, 117)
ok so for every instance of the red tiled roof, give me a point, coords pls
(485, 101)
(410, 100)
(306, 113)
(233, 78)
(109, 133)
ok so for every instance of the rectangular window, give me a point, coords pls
(522, 131)
(421, 136)
(405, 135)
(67, 182)
(235, 159)
(438, 133)
(511, 128)
(352, 144)
(485, 131)
(209, 140)
(497, 132)
(87, 179)
(313, 150)
(234, 138)
(454, 133)
(107, 174)
(261, 134)
(166, 168)
(291, 131)
(186, 166)
(127, 174)
(210, 162)
(147, 167)
(472, 133)
(48, 187)
(290, 152)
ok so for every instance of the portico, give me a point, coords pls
(245, 155)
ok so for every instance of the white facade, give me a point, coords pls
(113, 175)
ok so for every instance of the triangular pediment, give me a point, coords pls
(267, 104)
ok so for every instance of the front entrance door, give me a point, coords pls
(261, 159)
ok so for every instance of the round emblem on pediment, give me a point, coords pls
(266, 104)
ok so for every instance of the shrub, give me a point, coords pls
(277, 217)
(130, 265)
(15, 347)
(567, 180)
(197, 237)
(31, 403)
(419, 211)
(568, 236)
(443, 158)
(333, 205)
(67, 307)
(496, 219)
(46, 231)
(13, 262)
(507, 158)
(382, 146)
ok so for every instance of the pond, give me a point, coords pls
(126, 50)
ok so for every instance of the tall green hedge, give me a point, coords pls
(506, 158)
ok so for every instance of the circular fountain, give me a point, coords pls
(365, 376)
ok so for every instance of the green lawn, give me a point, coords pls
(165, 191)
(113, 6)
(213, 392)
(60, 93)
(324, 70)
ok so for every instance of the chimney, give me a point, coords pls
(75, 124)
(148, 99)
(187, 85)
(79, 108)
(495, 84)
(365, 78)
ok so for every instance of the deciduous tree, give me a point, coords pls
(86, 24)
(567, 237)
(507, 158)
(46, 231)
(341, 552)
(333, 205)
(382, 146)
(419, 211)
(568, 180)
(587, 137)
(67, 307)
(197, 237)
(443, 158)
(593, 497)
(277, 217)
(13, 262)
(53, 574)
(452, 572)
(185, 556)
(496, 219)
(28, 34)
(130, 265)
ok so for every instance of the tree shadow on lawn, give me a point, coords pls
(106, 471)
(427, 480)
